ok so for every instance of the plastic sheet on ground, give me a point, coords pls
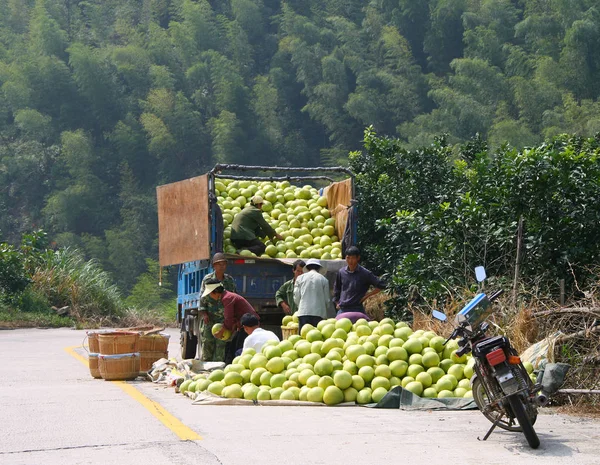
(402, 399)
(207, 398)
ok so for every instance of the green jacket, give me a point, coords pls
(286, 294)
(206, 303)
(249, 224)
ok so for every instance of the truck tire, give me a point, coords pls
(516, 404)
(189, 343)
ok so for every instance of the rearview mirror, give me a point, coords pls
(480, 273)
(438, 315)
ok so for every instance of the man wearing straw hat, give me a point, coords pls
(211, 311)
(249, 224)
(312, 296)
(234, 307)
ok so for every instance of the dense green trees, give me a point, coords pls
(100, 101)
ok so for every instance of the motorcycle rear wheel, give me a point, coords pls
(492, 413)
(518, 408)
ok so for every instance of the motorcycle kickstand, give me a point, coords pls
(487, 435)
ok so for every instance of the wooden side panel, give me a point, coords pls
(183, 221)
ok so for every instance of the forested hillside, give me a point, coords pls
(102, 100)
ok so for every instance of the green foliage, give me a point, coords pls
(434, 213)
(168, 88)
(147, 295)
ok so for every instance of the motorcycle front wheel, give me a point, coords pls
(493, 412)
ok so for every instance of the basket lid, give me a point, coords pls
(117, 356)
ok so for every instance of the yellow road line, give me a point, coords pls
(183, 432)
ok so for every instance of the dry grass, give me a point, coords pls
(375, 306)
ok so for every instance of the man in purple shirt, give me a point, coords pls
(352, 283)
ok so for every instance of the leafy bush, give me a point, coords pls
(435, 213)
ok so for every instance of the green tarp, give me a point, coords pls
(402, 399)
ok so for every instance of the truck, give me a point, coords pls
(190, 233)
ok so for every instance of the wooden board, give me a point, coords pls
(183, 221)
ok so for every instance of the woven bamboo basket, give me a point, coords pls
(154, 342)
(287, 332)
(114, 343)
(93, 364)
(119, 367)
(148, 358)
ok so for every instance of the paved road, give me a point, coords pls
(53, 412)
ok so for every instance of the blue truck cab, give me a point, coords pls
(189, 235)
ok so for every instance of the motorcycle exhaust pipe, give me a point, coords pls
(541, 399)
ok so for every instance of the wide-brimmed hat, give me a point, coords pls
(313, 261)
(218, 257)
(210, 287)
(257, 199)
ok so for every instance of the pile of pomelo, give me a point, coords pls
(343, 362)
(299, 214)
(290, 321)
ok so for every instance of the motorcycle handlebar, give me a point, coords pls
(495, 295)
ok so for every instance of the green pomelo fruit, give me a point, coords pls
(216, 375)
(430, 393)
(383, 370)
(413, 346)
(415, 359)
(258, 361)
(233, 378)
(316, 347)
(445, 394)
(414, 370)
(457, 371)
(333, 395)
(265, 378)
(364, 396)
(277, 380)
(325, 382)
(339, 333)
(444, 384)
(251, 392)
(275, 365)
(465, 384)
(406, 380)
(216, 387)
(456, 359)
(289, 384)
(276, 393)
(380, 381)
(315, 394)
(342, 379)
(256, 374)
(453, 379)
(437, 343)
(313, 335)
(354, 351)
(185, 386)
(425, 379)
(344, 323)
(445, 364)
(313, 381)
(378, 394)
(398, 368)
(430, 359)
(403, 333)
(397, 353)
(311, 358)
(350, 367)
(365, 360)
(367, 373)
(302, 348)
(233, 392)
(415, 387)
(304, 375)
(323, 367)
(303, 395)
(357, 382)
(328, 330)
(436, 373)
(468, 372)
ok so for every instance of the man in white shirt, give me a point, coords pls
(256, 335)
(311, 294)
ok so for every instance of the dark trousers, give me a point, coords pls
(308, 319)
(255, 246)
(237, 342)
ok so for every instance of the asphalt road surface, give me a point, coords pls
(53, 412)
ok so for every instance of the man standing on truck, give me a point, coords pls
(234, 307)
(352, 283)
(284, 297)
(311, 293)
(248, 225)
(211, 311)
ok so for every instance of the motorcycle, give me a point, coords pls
(502, 388)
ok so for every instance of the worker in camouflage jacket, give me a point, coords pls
(211, 312)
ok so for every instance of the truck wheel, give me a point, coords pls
(189, 344)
